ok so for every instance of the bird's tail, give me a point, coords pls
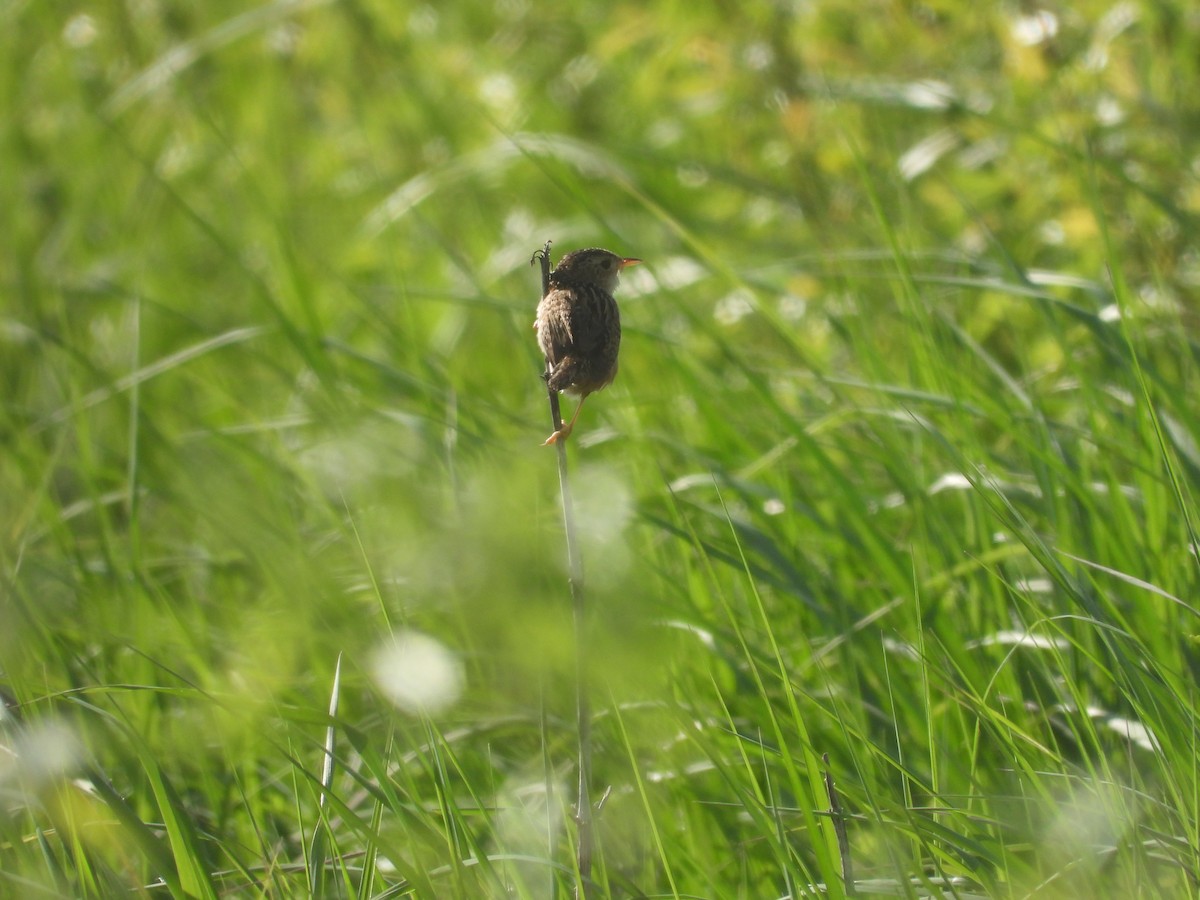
(562, 375)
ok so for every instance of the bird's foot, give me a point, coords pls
(561, 435)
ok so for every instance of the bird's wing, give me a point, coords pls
(586, 327)
(585, 319)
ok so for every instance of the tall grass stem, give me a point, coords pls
(583, 803)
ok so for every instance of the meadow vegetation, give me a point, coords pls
(897, 484)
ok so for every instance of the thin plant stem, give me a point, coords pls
(583, 721)
(839, 828)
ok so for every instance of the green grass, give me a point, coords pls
(900, 468)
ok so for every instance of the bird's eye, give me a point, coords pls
(608, 264)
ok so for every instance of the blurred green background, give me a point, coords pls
(899, 468)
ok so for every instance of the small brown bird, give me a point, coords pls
(579, 326)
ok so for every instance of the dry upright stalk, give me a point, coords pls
(583, 721)
(839, 828)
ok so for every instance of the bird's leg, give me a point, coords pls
(565, 432)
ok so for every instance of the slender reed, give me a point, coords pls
(583, 722)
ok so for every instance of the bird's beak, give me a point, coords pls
(631, 261)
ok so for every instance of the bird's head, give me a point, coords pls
(591, 266)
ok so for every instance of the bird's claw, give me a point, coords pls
(561, 435)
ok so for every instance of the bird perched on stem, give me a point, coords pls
(579, 326)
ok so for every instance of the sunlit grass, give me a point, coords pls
(900, 466)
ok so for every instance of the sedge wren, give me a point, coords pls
(579, 326)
